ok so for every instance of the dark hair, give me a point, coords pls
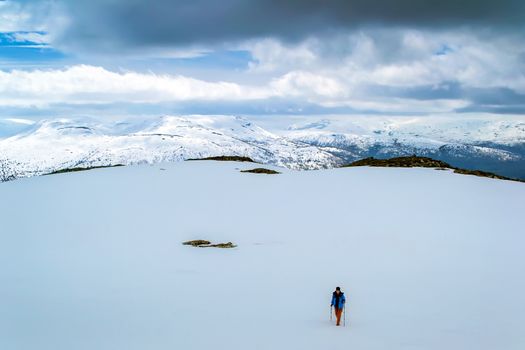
(337, 288)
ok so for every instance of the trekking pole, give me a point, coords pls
(344, 315)
(330, 313)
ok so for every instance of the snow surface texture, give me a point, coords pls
(489, 143)
(428, 259)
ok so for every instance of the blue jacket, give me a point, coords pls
(338, 304)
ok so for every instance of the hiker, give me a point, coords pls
(338, 302)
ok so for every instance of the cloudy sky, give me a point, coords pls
(261, 57)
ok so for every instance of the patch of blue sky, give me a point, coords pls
(21, 38)
(21, 52)
(30, 53)
(443, 50)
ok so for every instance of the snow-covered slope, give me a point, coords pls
(64, 143)
(428, 259)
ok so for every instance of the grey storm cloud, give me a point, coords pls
(480, 43)
(182, 22)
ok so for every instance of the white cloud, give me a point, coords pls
(84, 84)
(269, 55)
(30, 37)
(401, 57)
(299, 83)
(11, 16)
(15, 16)
(89, 84)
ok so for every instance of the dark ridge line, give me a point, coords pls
(226, 159)
(72, 170)
(423, 162)
(75, 127)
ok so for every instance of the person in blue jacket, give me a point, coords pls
(338, 302)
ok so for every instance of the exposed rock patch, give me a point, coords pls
(197, 243)
(223, 245)
(260, 171)
(201, 243)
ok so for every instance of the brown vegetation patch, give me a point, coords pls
(72, 170)
(424, 162)
(260, 171)
(484, 174)
(197, 242)
(201, 243)
(401, 162)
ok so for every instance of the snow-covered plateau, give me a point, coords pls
(490, 143)
(428, 259)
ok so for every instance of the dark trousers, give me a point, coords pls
(338, 313)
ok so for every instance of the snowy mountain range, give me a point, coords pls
(489, 144)
(51, 145)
